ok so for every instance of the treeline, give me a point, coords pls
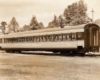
(34, 25)
(13, 26)
(74, 14)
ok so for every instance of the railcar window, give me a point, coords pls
(80, 35)
(25, 40)
(44, 38)
(12, 40)
(15, 40)
(22, 39)
(51, 37)
(29, 39)
(37, 39)
(73, 36)
(0, 40)
(48, 36)
(4, 40)
(32, 38)
(41, 38)
(68, 36)
(18, 39)
(55, 37)
(64, 37)
(8, 40)
(59, 37)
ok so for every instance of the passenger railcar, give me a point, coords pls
(70, 40)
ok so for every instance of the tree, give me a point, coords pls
(26, 28)
(61, 21)
(50, 25)
(75, 14)
(13, 25)
(41, 26)
(3, 23)
(34, 25)
(54, 22)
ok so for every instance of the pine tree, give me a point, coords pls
(34, 24)
(2, 27)
(61, 21)
(41, 26)
(13, 25)
(54, 22)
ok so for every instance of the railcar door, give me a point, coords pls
(92, 38)
(95, 40)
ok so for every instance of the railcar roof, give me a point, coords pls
(66, 29)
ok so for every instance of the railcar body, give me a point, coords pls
(67, 40)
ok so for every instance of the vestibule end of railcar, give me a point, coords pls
(91, 37)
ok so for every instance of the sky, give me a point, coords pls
(44, 10)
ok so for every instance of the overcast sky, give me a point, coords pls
(44, 10)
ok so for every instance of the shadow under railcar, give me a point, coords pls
(44, 53)
(47, 53)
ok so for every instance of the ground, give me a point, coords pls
(48, 66)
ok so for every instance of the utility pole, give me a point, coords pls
(92, 15)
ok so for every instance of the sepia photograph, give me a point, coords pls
(49, 40)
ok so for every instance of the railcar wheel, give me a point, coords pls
(12, 51)
(62, 53)
(82, 54)
(7, 51)
(72, 53)
(19, 51)
(65, 53)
